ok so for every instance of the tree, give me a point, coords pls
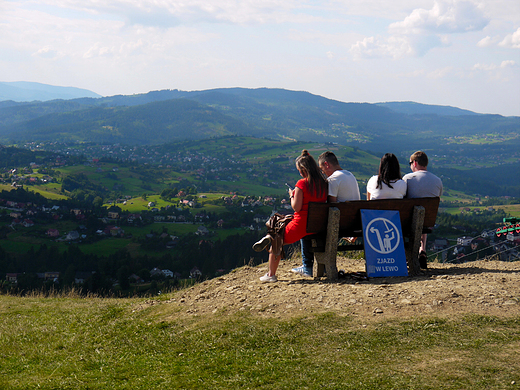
(97, 202)
(123, 273)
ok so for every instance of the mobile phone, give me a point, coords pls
(288, 186)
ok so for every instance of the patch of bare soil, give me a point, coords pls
(481, 287)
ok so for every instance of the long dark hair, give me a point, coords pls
(307, 165)
(389, 170)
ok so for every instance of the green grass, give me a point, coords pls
(49, 191)
(75, 343)
(513, 209)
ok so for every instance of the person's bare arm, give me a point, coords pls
(297, 199)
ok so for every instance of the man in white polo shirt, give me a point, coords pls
(422, 184)
(343, 186)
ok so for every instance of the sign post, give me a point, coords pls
(384, 246)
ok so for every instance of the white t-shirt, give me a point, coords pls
(343, 185)
(398, 190)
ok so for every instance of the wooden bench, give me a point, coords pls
(327, 222)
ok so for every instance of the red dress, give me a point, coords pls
(297, 228)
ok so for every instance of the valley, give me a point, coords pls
(191, 208)
(146, 192)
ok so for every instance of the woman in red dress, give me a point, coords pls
(312, 188)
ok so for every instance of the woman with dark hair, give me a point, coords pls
(312, 188)
(387, 184)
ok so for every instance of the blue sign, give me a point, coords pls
(384, 246)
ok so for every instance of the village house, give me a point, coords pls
(440, 244)
(15, 214)
(52, 233)
(202, 231)
(171, 244)
(27, 223)
(81, 277)
(53, 276)
(71, 236)
(11, 277)
(195, 273)
(116, 231)
(135, 279)
(155, 271)
(113, 215)
(167, 273)
(133, 217)
(464, 241)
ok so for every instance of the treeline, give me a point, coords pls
(11, 157)
(109, 275)
(470, 223)
(496, 181)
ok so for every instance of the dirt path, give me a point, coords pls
(482, 287)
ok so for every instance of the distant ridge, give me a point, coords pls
(24, 91)
(170, 115)
(413, 108)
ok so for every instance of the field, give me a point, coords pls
(234, 333)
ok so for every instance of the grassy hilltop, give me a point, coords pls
(456, 327)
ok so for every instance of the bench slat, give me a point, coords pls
(350, 219)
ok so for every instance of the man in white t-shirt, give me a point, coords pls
(422, 184)
(343, 186)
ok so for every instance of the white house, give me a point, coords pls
(167, 273)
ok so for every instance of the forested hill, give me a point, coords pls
(151, 123)
(170, 115)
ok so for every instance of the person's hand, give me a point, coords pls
(291, 192)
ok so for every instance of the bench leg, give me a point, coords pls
(326, 261)
(412, 252)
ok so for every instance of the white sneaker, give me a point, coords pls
(268, 279)
(264, 243)
(303, 271)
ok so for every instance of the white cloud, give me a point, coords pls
(492, 67)
(98, 50)
(423, 30)
(47, 52)
(512, 40)
(445, 17)
(167, 13)
(129, 46)
(379, 47)
(488, 41)
(508, 64)
(484, 67)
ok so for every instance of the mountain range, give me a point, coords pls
(172, 115)
(24, 91)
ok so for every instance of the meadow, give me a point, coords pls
(68, 342)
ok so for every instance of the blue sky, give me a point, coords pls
(459, 53)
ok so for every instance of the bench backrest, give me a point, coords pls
(350, 219)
